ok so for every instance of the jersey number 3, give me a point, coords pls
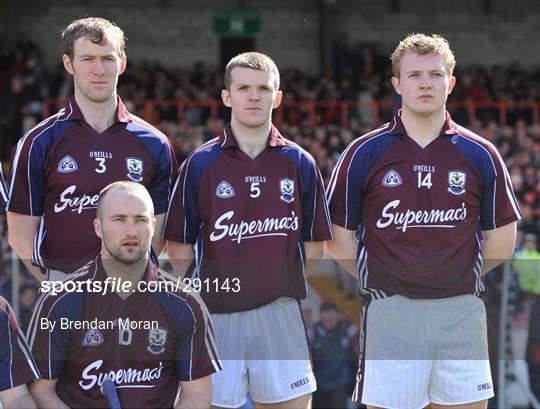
(101, 168)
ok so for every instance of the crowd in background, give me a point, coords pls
(358, 73)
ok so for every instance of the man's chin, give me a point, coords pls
(129, 259)
(98, 98)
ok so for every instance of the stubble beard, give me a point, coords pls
(117, 255)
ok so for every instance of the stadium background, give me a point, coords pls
(333, 58)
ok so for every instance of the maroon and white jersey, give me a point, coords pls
(249, 219)
(17, 367)
(145, 364)
(61, 165)
(419, 212)
(3, 190)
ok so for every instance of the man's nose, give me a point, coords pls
(426, 82)
(130, 227)
(99, 67)
(253, 94)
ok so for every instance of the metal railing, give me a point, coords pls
(313, 113)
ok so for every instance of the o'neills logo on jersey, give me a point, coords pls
(76, 203)
(126, 376)
(271, 226)
(434, 218)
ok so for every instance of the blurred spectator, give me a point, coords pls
(28, 295)
(334, 358)
(526, 263)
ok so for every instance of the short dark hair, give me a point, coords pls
(255, 61)
(97, 30)
(329, 306)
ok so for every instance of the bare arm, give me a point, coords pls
(343, 249)
(22, 230)
(314, 253)
(158, 243)
(16, 398)
(181, 255)
(44, 393)
(498, 245)
(195, 394)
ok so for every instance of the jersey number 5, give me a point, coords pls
(255, 190)
(424, 180)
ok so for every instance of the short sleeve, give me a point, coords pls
(17, 366)
(183, 220)
(195, 347)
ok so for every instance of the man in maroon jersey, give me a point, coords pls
(17, 367)
(252, 203)
(128, 321)
(421, 208)
(59, 166)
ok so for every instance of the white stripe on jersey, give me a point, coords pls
(209, 340)
(225, 137)
(34, 324)
(38, 241)
(302, 260)
(348, 172)
(209, 337)
(20, 145)
(3, 190)
(509, 192)
(143, 124)
(333, 179)
(212, 142)
(10, 349)
(27, 354)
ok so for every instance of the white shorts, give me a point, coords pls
(264, 351)
(414, 352)
(55, 275)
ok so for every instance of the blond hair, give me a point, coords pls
(255, 61)
(96, 29)
(422, 44)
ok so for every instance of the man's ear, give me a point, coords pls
(97, 228)
(67, 63)
(123, 65)
(451, 84)
(277, 99)
(395, 83)
(226, 98)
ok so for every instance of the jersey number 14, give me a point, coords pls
(424, 180)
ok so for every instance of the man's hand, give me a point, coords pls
(17, 398)
(44, 393)
(195, 394)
